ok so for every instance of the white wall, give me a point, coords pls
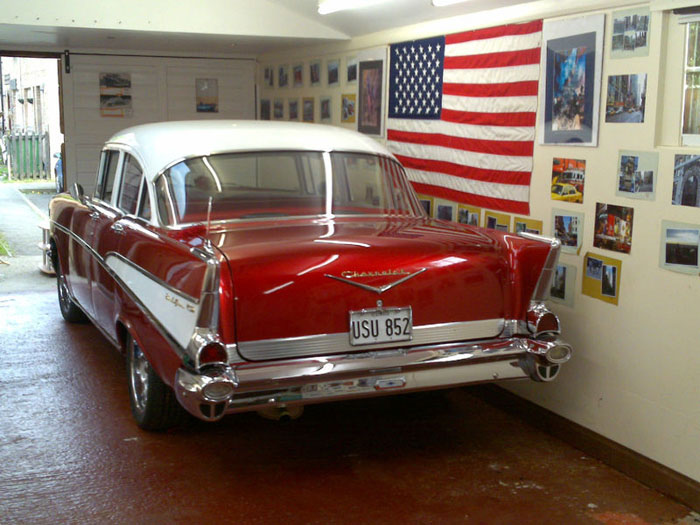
(633, 377)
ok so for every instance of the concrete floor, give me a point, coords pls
(70, 453)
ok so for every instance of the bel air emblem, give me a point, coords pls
(376, 289)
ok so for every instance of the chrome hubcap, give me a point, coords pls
(63, 292)
(138, 372)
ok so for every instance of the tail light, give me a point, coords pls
(212, 352)
(541, 321)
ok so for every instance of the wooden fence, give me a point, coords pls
(28, 155)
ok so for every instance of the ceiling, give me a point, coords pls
(264, 37)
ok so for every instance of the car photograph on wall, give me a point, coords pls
(252, 266)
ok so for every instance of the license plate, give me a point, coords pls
(381, 325)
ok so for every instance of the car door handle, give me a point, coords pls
(118, 228)
(94, 215)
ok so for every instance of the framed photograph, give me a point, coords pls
(278, 109)
(115, 95)
(351, 70)
(568, 179)
(605, 286)
(630, 33)
(325, 109)
(347, 109)
(283, 76)
(333, 69)
(680, 243)
(636, 174)
(370, 95)
(206, 95)
(563, 285)
(497, 221)
(571, 72)
(445, 211)
(627, 96)
(686, 181)
(524, 224)
(567, 226)
(613, 227)
(308, 109)
(470, 215)
(269, 76)
(265, 109)
(315, 72)
(298, 75)
(294, 109)
(427, 202)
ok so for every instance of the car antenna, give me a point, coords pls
(207, 240)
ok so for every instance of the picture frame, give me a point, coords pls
(686, 181)
(333, 72)
(572, 57)
(283, 76)
(206, 95)
(567, 226)
(351, 70)
(626, 98)
(371, 76)
(613, 227)
(470, 215)
(265, 109)
(527, 225)
(637, 174)
(497, 221)
(293, 109)
(325, 103)
(563, 287)
(605, 286)
(630, 33)
(680, 244)
(315, 73)
(348, 108)
(568, 180)
(298, 75)
(278, 109)
(308, 109)
(269, 76)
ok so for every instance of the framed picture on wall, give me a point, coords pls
(269, 76)
(265, 109)
(686, 181)
(294, 109)
(283, 76)
(347, 110)
(630, 33)
(613, 227)
(308, 109)
(370, 95)
(567, 226)
(325, 109)
(680, 243)
(298, 75)
(206, 95)
(278, 109)
(636, 174)
(315, 72)
(626, 100)
(333, 68)
(570, 84)
(351, 70)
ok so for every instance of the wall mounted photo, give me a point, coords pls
(351, 70)
(325, 109)
(636, 174)
(294, 109)
(497, 221)
(605, 285)
(278, 109)
(427, 202)
(524, 224)
(308, 109)
(206, 95)
(347, 110)
(568, 178)
(370, 95)
(627, 95)
(469, 215)
(298, 75)
(283, 76)
(686, 181)
(571, 66)
(115, 95)
(630, 34)
(265, 109)
(269, 76)
(679, 247)
(613, 227)
(446, 212)
(563, 285)
(333, 69)
(568, 228)
(315, 73)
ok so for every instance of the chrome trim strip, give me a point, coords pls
(324, 344)
(379, 289)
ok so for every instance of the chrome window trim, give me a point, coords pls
(338, 343)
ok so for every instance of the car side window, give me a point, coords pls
(144, 201)
(106, 179)
(131, 182)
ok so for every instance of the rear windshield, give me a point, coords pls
(282, 184)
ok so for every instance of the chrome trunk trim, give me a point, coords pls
(338, 343)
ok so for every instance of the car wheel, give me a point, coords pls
(153, 403)
(70, 311)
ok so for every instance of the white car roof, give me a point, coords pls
(159, 145)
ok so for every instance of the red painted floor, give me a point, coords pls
(70, 453)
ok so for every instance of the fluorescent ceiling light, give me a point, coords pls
(331, 6)
(442, 3)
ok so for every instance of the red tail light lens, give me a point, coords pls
(212, 353)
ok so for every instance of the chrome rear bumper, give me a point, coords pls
(257, 385)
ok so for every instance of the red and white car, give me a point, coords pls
(248, 265)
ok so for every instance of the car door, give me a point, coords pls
(82, 257)
(111, 231)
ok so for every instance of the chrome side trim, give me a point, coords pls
(323, 344)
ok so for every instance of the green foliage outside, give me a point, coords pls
(4, 248)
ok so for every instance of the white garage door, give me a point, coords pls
(104, 94)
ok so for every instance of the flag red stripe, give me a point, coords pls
(512, 148)
(519, 178)
(508, 89)
(526, 118)
(489, 60)
(509, 206)
(495, 32)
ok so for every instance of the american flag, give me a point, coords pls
(462, 114)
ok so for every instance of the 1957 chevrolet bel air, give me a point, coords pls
(268, 265)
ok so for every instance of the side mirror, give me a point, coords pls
(77, 192)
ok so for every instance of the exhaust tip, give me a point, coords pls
(559, 353)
